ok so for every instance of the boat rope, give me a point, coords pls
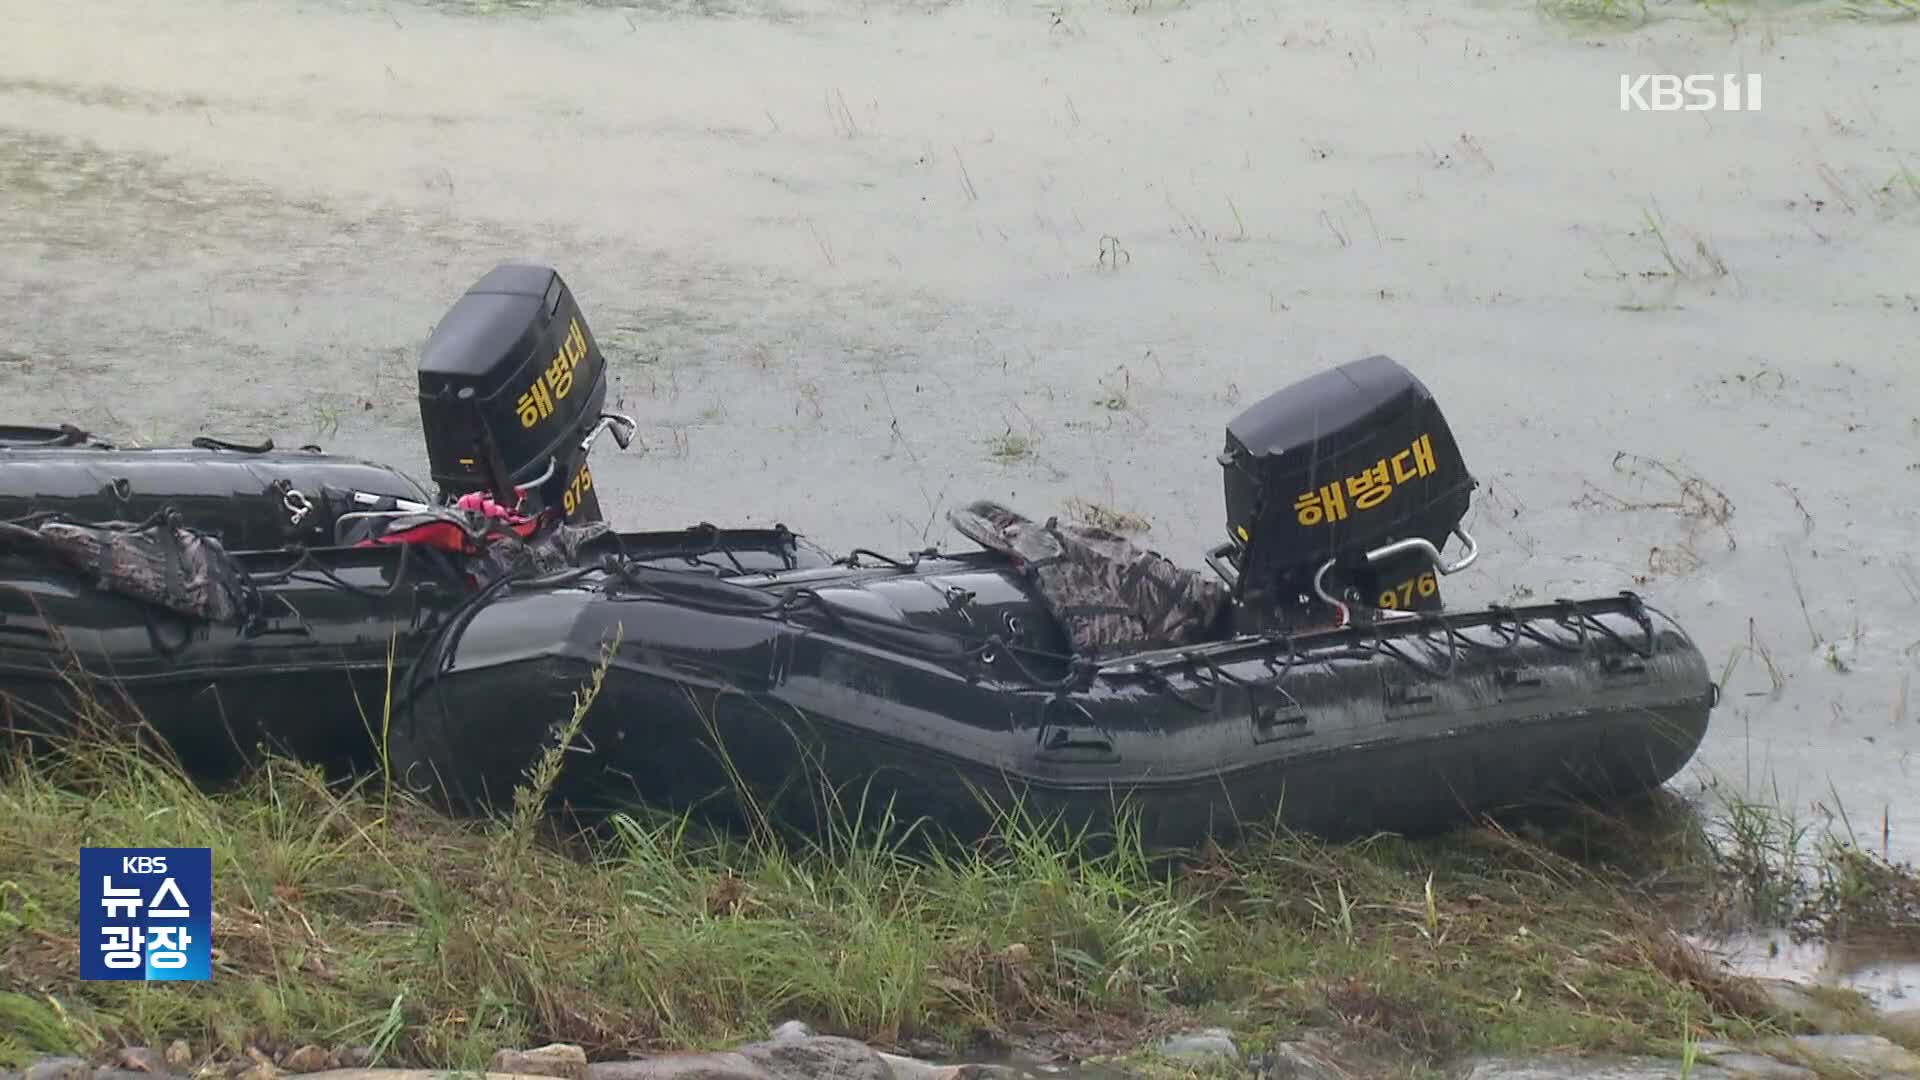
(1382, 645)
(64, 435)
(304, 563)
(782, 536)
(912, 562)
(704, 593)
(1636, 611)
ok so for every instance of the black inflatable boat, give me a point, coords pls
(1315, 678)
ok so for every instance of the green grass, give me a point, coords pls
(346, 913)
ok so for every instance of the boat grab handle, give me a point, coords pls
(1217, 562)
(621, 425)
(553, 465)
(1387, 551)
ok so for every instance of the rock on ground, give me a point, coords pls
(1296, 1061)
(61, 1068)
(140, 1059)
(1864, 1055)
(906, 1068)
(796, 1057)
(555, 1059)
(1746, 1063)
(1875, 1055)
(1196, 1046)
(308, 1059)
(1548, 1068)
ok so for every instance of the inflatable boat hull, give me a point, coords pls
(311, 678)
(867, 700)
(941, 688)
(239, 494)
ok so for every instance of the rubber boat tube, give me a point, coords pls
(945, 688)
(333, 631)
(247, 496)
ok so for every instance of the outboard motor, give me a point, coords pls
(1341, 491)
(511, 391)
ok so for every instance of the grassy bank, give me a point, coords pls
(345, 915)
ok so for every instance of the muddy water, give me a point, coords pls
(857, 262)
(1890, 982)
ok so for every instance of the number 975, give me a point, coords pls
(577, 491)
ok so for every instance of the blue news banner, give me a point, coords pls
(146, 914)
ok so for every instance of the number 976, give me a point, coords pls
(1402, 595)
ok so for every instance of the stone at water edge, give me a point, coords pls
(414, 1074)
(307, 1059)
(719, 1065)
(1295, 1061)
(906, 1068)
(262, 1067)
(1196, 1046)
(140, 1059)
(1797, 999)
(563, 1060)
(60, 1068)
(1750, 1064)
(901, 1067)
(350, 1057)
(1551, 1068)
(796, 1057)
(1870, 1052)
(1761, 1067)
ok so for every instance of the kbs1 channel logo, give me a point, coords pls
(1730, 92)
(146, 914)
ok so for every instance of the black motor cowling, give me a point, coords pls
(511, 382)
(1335, 466)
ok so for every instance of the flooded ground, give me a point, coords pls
(855, 263)
(1890, 981)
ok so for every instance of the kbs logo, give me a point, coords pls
(1690, 93)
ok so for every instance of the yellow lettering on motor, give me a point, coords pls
(556, 382)
(1324, 505)
(536, 404)
(1368, 488)
(577, 491)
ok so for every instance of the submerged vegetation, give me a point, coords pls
(1636, 13)
(347, 913)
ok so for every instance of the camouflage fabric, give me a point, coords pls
(549, 551)
(1112, 597)
(174, 567)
